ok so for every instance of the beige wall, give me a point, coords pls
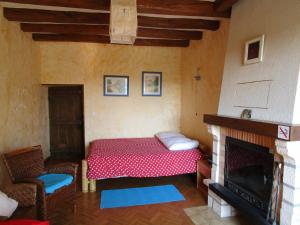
(202, 97)
(23, 110)
(274, 100)
(114, 117)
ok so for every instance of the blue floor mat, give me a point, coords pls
(139, 196)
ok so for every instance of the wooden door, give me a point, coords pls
(66, 122)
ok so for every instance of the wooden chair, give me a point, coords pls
(25, 165)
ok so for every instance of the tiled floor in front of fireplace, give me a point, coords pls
(204, 215)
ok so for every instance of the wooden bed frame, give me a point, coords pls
(90, 185)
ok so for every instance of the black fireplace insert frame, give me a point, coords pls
(238, 189)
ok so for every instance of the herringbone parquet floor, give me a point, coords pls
(89, 213)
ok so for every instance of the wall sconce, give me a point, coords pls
(198, 75)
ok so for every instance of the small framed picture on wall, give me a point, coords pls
(254, 50)
(151, 83)
(116, 85)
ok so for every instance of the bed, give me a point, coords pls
(135, 157)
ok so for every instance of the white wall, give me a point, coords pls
(279, 21)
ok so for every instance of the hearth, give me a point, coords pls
(249, 172)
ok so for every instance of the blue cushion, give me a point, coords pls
(53, 181)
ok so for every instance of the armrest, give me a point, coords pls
(40, 190)
(23, 193)
(41, 205)
(69, 168)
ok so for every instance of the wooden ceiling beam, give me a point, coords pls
(106, 40)
(104, 30)
(181, 8)
(224, 5)
(47, 16)
(166, 7)
(65, 28)
(169, 34)
(162, 42)
(178, 23)
(80, 4)
(71, 38)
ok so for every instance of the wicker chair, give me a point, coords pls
(24, 194)
(24, 165)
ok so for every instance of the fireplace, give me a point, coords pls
(264, 177)
(249, 172)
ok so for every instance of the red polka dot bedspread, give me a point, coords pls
(138, 157)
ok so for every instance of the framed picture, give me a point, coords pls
(254, 50)
(116, 85)
(152, 84)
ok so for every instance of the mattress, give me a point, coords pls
(138, 157)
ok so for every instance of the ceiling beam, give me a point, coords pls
(179, 7)
(169, 34)
(167, 7)
(224, 5)
(81, 4)
(162, 42)
(47, 16)
(104, 30)
(178, 23)
(42, 16)
(105, 40)
(65, 28)
(71, 38)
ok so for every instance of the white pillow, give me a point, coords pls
(7, 205)
(168, 134)
(192, 144)
(179, 143)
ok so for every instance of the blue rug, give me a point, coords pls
(139, 196)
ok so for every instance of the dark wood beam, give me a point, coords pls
(162, 43)
(39, 16)
(169, 34)
(84, 4)
(71, 38)
(167, 7)
(47, 16)
(104, 30)
(224, 5)
(178, 23)
(106, 40)
(179, 7)
(65, 28)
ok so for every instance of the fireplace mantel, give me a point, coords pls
(265, 128)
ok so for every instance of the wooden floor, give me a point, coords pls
(89, 212)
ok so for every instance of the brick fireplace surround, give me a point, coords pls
(264, 134)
